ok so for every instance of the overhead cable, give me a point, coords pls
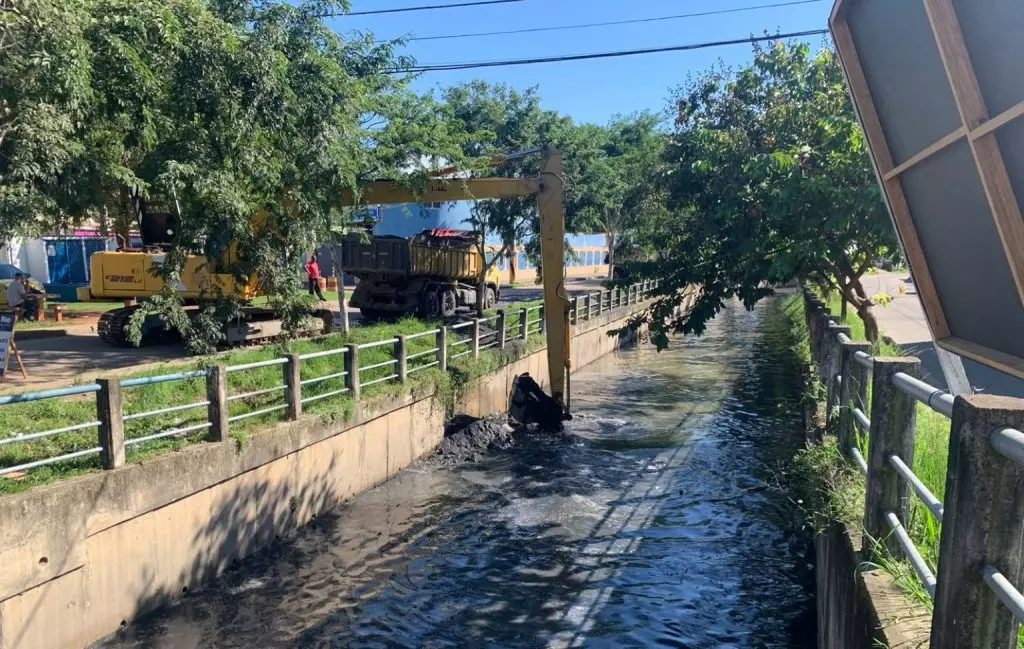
(615, 23)
(603, 55)
(398, 10)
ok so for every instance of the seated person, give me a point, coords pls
(21, 296)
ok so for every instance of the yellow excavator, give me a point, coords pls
(127, 274)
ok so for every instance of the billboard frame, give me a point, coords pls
(978, 128)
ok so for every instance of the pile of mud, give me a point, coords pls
(468, 439)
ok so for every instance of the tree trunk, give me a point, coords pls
(481, 291)
(854, 292)
(512, 257)
(842, 309)
(867, 315)
(610, 240)
(341, 290)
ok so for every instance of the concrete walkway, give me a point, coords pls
(904, 322)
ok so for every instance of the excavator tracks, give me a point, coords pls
(112, 327)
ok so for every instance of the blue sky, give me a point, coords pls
(587, 90)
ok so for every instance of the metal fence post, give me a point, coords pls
(600, 301)
(476, 338)
(402, 356)
(576, 309)
(442, 348)
(852, 393)
(293, 386)
(352, 370)
(524, 317)
(110, 413)
(501, 329)
(586, 305)
(982, 526)
(217, 410)
(835, 364)
(543, 321)
(893, 417)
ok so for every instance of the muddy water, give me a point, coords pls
(651, 523)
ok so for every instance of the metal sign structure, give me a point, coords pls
(7, 321)
(939, 89)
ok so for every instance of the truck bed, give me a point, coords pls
(406, 257)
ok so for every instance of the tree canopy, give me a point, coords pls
(618, 191)
(768, 179)
(231, 108)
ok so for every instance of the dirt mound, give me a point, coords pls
(468, 439)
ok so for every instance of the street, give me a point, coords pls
(904, 322)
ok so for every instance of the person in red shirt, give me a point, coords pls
(313, 270)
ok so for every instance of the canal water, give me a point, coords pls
(654, 521)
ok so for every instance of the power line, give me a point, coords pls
(423, 8)
(604, 55)
(616, 22)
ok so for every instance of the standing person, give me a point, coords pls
(313, 270)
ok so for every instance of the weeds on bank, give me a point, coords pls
(54, 413)
(834, 487)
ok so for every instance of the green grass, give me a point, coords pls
(54, 413)
(931, 446)
(89, 307)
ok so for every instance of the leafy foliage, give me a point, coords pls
(618, 192)
(769, 180)
(254, 116)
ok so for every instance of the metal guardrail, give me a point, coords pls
(165, 378)
(219, 399)
(329, 352)
(1004, 590)
(253, 366)
(924, 573)
(931, 396)
(923, 492)
(26, 397)
(987, 605)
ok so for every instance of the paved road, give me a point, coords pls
(81, 356)
(904, 321)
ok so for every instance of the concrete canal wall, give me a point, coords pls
(80, 557)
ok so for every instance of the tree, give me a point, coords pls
(254, 116)
(768, 180)
(619, 188)
(491, 120)
(44, 94)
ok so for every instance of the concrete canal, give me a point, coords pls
(652, 522)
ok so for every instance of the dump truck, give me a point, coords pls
(431, 274)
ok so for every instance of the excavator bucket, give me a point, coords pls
(529, 404)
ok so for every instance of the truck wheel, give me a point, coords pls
(489, 298)
(371, 314)
(431, 306)
(449, 303)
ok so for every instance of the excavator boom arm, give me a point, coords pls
(549, 189)
(386, 192)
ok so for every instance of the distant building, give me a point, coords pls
(60, 261)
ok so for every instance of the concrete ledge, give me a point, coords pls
(860, 605)
(104, 548)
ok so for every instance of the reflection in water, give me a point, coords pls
(648, 524)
